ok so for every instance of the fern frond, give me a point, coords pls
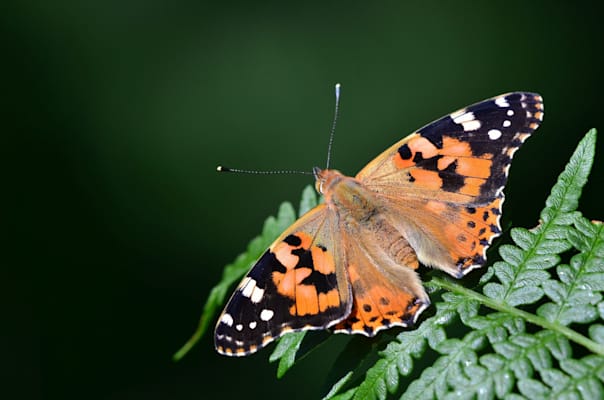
(577, 291)
(494, 354)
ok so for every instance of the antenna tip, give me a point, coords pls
(220, 168)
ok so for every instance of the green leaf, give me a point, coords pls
(343, 396)
(596, 333)
(566, 192)
(338, 386)
(576, 295)
(308, 201)
(554, 378)
(285, 351)
(583, 379)
(398, 357)
(533, 389)
(374, 386)
(523, 237)
(511, 254)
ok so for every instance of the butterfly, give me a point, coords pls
(350, 263)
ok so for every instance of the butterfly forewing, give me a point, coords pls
(299, 283)
(443, 184)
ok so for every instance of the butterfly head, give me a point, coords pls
(325, 179)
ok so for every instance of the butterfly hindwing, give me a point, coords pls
(387, 290)
(297, 284)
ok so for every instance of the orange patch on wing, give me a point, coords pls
(288, 283)
(471, 186)
(283, 253)
(323, 260)
(427, 179)
(377, 306)
(459, 241)
(399, 163)
(283, 250)
(306, 239)
(467, 236)
(417, 144)
(475, 167)
(329, 299)
(445, 161)
(307, 301)
(423, 145)
(455, 147)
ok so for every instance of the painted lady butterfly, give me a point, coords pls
(349, 264)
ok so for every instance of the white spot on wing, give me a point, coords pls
(494, 134)
(266, 314)
(465, 117)
(502, 102)
(247, 286)
(250, 290)
(467, 120)
(507, 123)
(253, 325)
(257, 295)
(458, 113)
(510, 113)
(239, 327)
(227, 319)
(471, 125)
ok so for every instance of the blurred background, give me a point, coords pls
(116, 114)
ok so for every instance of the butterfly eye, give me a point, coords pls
(319, 179)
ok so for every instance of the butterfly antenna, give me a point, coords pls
(255, 172)
(333, 124)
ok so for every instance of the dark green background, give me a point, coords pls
(118, 112)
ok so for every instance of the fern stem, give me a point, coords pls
(532, 318)
(189, 345)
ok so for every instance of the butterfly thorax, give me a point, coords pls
(346, 195)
